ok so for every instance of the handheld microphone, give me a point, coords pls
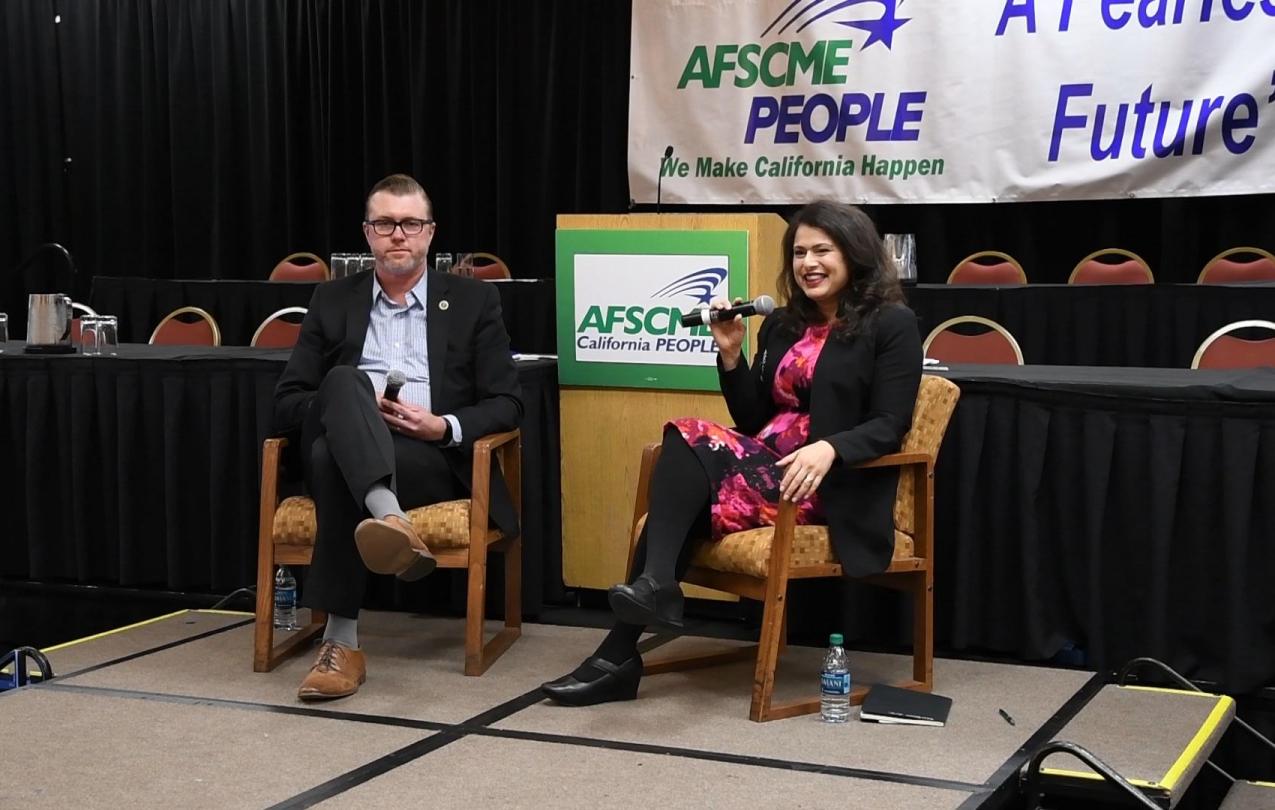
(659, 178)
(761, 305)
(394, 382)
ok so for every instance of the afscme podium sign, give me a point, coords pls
(620, 298)
(625, 363)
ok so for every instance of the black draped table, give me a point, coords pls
(240, 306)
(142, 470)
(1126, 511)
(1123, 511)
(1158, 325)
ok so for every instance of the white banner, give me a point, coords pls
(781, 101)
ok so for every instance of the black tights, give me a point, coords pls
(679, 511)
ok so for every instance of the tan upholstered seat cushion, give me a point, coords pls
(442, 525)
(748, 552)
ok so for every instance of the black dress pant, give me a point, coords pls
(347, 448)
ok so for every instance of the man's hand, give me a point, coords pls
(411, 420)
(806, 469)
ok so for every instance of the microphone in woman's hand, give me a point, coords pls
(394, 382)
(761, 305)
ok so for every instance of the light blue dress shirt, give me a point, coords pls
(396, 339)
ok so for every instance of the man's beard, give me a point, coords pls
(401, 267)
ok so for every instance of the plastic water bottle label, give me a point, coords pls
(285, 597)
(835, 683)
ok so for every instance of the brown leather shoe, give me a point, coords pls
(391, 546)
(337, 672)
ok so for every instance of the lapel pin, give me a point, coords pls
(443, 305)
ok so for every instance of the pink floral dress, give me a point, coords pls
(742, 468)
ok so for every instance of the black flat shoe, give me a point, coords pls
(645, 602)
(616, 683)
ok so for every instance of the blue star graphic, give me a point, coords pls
(881, 30)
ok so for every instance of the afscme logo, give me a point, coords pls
(805, 13)
(699, 286)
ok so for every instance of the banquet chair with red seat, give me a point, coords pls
(1224, 269)
(488, 266)
(301, 267)
(1224, 350)
(1112, 266)
(187, 326)
(992, 345)
(989, 267)
(82, 310)
(280, 329)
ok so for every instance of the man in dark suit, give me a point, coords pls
(366, 457)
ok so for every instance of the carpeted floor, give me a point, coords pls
(169, 713)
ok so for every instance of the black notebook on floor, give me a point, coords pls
(890, 704)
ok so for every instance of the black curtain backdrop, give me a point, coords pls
(207, 139)
(210, 138)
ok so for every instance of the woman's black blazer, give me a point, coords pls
(861, 400)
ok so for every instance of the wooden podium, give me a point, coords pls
(605, 429)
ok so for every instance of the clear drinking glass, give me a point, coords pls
(108, 335)
(464, 264)
(902, 249)
(443, 263)
(337, 263)
(90, 335)
(4, 331)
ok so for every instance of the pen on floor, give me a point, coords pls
(1008, 719)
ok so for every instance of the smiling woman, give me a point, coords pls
(799, 434)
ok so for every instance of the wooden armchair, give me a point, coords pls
(759, 563)
(457, 533)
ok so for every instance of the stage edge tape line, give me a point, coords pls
(161, 648)
(1007, 772)
(467, 728)
(106, 633)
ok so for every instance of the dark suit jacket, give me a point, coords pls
(861, 401)
(471, 371)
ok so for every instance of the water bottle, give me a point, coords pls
(834, 683)
(285, 600)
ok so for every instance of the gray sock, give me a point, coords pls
(381, 501)
(342, 630)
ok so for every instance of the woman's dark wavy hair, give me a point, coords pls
(874, 282)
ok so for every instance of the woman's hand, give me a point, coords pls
(411, 420)
(806, 470)
(729, 335)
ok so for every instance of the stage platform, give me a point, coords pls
(168, 713)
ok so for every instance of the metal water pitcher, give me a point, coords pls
(49, 323)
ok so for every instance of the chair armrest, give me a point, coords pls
(642, 500)
(896, 460)
(509, 447)
(271, 450)
(491, 441)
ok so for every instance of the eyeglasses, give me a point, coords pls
(385, 227)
